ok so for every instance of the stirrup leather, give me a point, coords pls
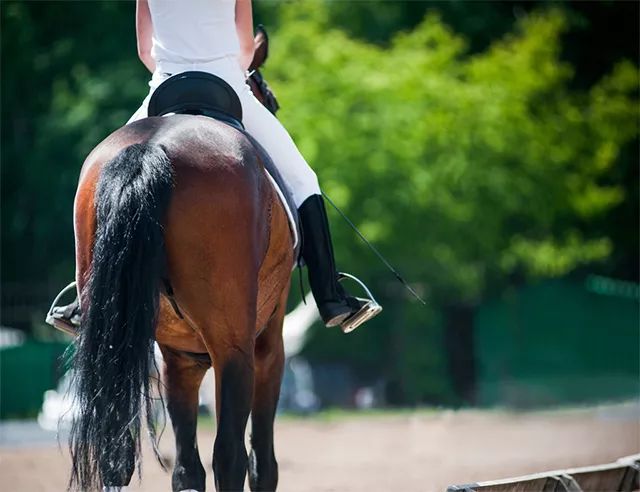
(53, 321)
(370, 308)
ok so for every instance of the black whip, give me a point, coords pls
(373, 248)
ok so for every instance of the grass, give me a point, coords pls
(337, 415)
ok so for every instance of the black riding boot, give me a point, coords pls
(333, 303)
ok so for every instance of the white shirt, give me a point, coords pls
(193, 32)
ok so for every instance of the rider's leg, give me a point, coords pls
(317, 250)
(275, 139)
(141, 112)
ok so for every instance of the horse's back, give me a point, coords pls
(190, 141)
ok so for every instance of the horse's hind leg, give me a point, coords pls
(182, 377)
(269, 363)
(231, 343)
(234, 385)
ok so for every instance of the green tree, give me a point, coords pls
(465, 169)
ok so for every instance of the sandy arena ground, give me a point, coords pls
(421, 451)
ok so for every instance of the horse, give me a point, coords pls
(259, 86)
(180, 239)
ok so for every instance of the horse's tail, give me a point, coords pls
(114, 351)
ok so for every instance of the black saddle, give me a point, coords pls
(198, 93)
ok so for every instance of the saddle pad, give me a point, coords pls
(283, 192)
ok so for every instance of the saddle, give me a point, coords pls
(205, 94)
(197, 93)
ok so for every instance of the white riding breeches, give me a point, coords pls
(258, 121)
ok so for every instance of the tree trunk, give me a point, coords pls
(460, 347)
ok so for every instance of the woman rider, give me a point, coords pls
(216, 36)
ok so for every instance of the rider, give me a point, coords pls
(216, 36)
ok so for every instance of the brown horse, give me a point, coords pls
(256, 81)
(178, 208)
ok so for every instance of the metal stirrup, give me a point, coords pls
(49, 318)
(370, 309)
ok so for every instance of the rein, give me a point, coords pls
(269, 98)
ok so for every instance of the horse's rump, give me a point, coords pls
(221, 199)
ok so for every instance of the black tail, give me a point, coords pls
(114, 351)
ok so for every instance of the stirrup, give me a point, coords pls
(54, 321)
(370, 308)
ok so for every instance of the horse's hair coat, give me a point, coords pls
(114, 351)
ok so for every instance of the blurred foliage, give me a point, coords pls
(65, 86)
(477, 144)
(465, 169)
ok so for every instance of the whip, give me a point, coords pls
(375, 251)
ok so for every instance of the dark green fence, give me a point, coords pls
(559, 341)
(26, 372)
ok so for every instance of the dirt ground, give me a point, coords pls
(421, 451)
